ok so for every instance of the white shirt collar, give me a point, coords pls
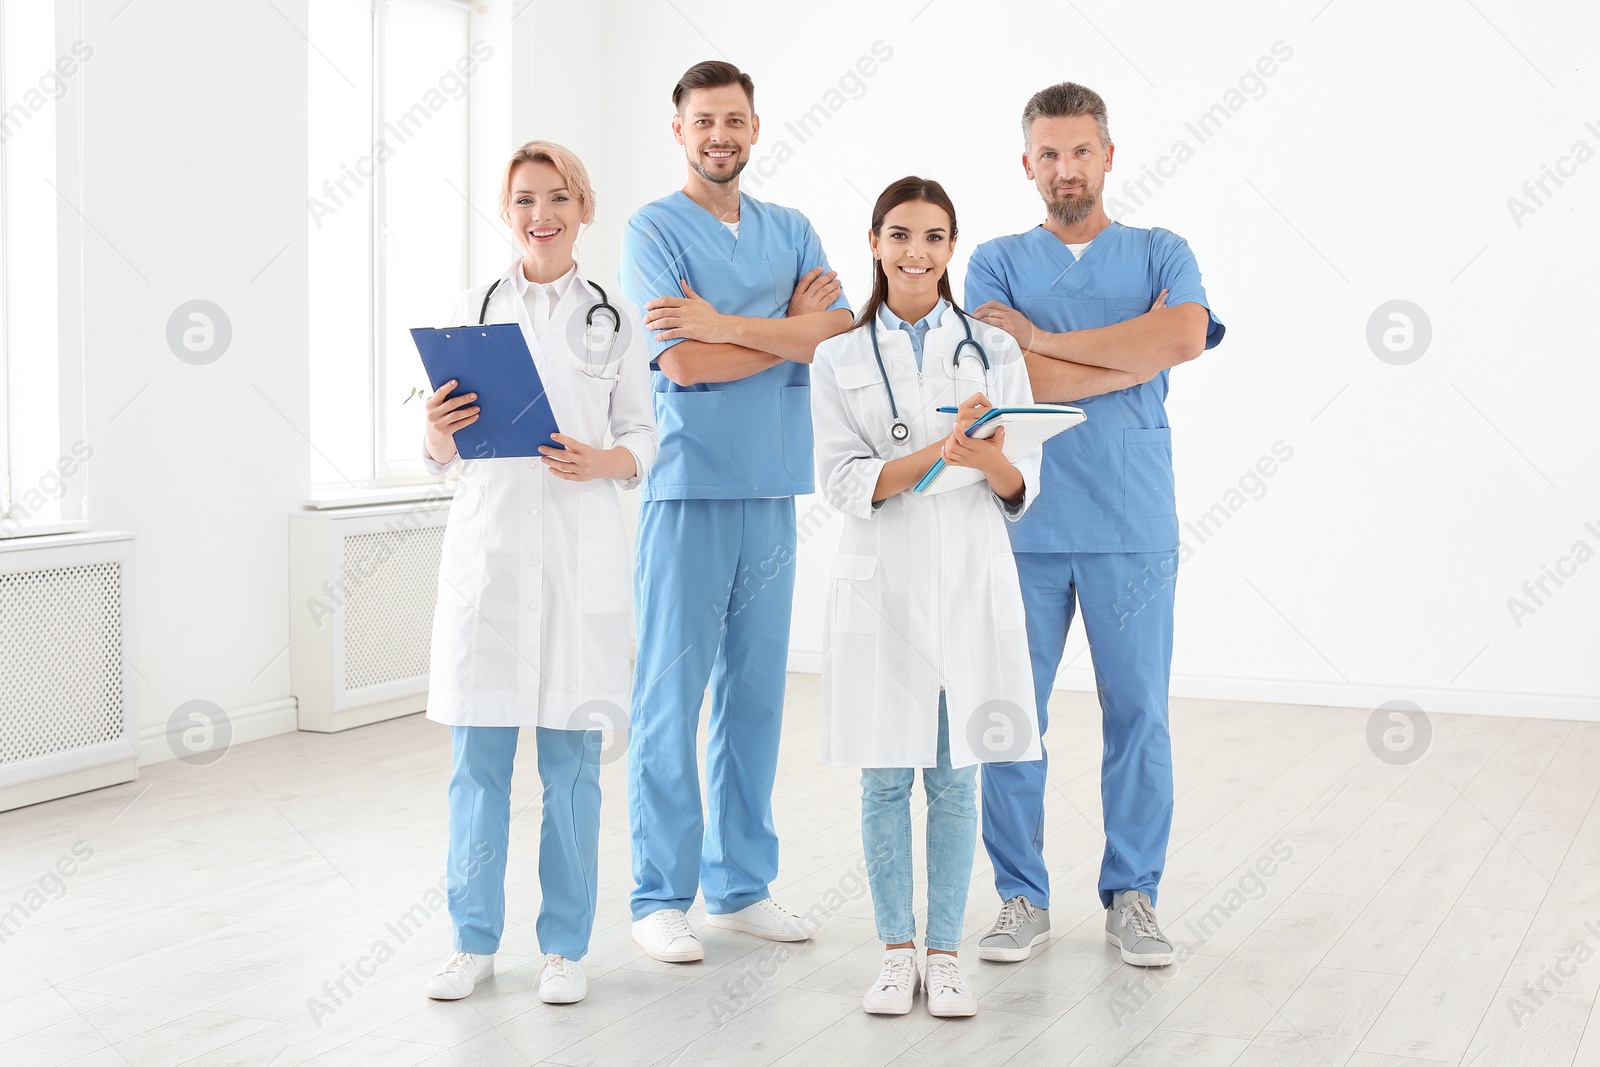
(561, 284)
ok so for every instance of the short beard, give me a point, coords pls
(700, 169)
(1071, 210)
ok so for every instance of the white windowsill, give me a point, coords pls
(434, 488)
(42, 529)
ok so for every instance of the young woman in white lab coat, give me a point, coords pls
(532, 623)
(925, 656)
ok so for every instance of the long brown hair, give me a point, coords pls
(904, 191)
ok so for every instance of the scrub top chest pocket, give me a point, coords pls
(1082, 312)
(785, 267)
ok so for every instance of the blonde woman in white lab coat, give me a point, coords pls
(532, 623)
(925, 658)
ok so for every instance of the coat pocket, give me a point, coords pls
(857, 608)
(866, 402)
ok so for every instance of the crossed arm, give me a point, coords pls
(1082, 363)
(713, 347)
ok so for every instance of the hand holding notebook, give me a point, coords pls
(1027, 427)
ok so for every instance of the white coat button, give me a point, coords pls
(533, 512)
(534, 606)
(532, 463)
(533, 561)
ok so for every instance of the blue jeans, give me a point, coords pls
(952, 836)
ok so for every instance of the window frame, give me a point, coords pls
(382, 481)
(71, 420)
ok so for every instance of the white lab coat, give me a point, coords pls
(533, 619)
(924, 591)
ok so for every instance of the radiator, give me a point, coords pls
(362, 584)
(68, 711)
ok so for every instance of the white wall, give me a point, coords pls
(1373, 164)
(194, 174)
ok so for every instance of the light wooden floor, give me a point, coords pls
(219, 906)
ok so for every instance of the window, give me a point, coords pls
(42, 451)
(389, 176)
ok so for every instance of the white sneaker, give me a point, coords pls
(948, 995)
(896, 986)
(665, 935)
(766, 919)
(562, 981)
(459, 975)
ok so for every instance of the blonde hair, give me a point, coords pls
(566, 163)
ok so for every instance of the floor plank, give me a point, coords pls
(1332, 909)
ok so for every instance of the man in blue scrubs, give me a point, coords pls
(737, 294)
(1102, 311)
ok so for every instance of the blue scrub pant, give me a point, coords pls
(1127, 601)
(713, 590)
(480, 831)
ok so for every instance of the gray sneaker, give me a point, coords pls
(1013, 935)
(1131, 926)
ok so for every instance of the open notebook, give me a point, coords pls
(1027, 427)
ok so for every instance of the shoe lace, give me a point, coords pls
(1137, 914)
(673, 923)
(1013, 913)
(459, 963)
(897, 972)
(774, 909)
(558, 965)
(944, 976)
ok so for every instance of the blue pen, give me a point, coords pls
(981, 420)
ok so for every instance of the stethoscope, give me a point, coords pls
(595, 340)
(899, 432)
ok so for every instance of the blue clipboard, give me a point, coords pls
(514, 416)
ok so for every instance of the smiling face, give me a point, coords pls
(1068, 162)
(544, 215)
(914, 247)
(716, 128)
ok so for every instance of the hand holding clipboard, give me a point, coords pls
(493, 362)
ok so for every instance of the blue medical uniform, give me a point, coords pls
(1103, 537)
(480, 831)
(716, 551)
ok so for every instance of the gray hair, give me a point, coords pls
(1061, 101)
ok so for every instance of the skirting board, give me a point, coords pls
(252, 723)
(1330, 694)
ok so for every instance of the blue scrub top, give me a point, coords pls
(726, 440)
(1105, 486)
